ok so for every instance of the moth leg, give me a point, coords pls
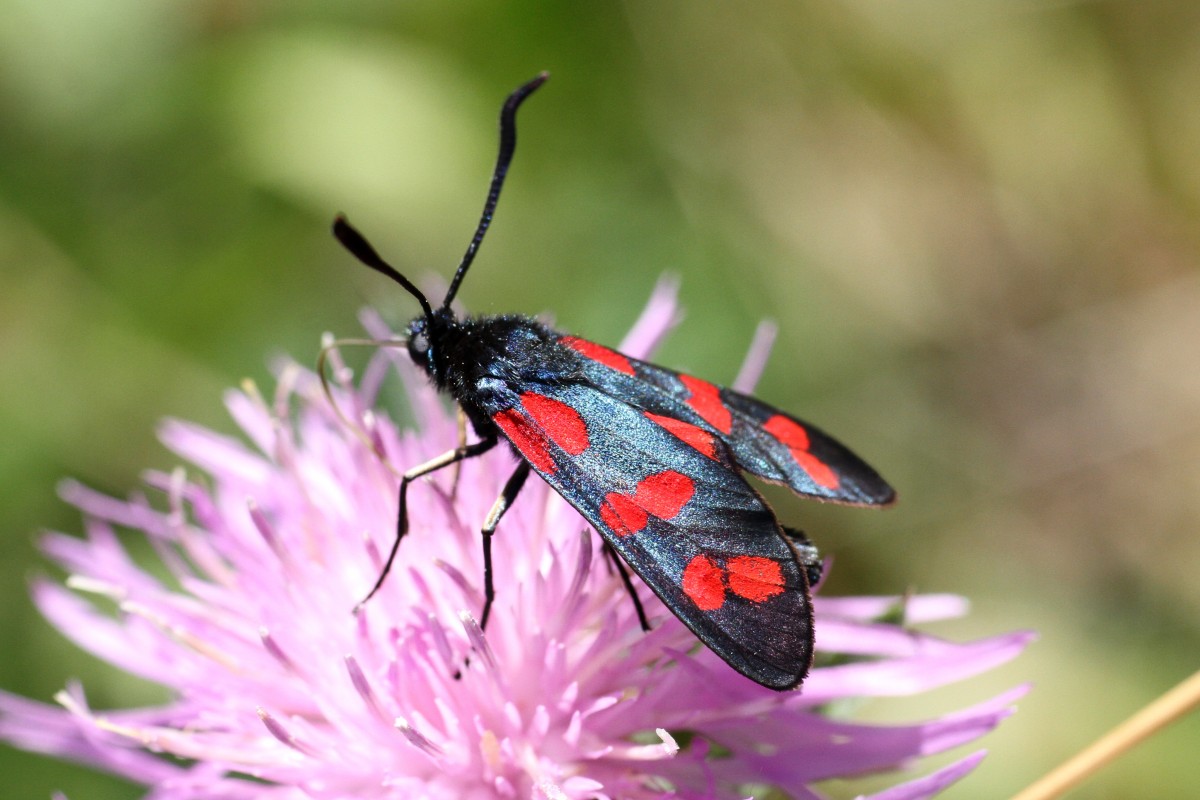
(433, 465)
(462, 442)
(511, 489)
(616, 561)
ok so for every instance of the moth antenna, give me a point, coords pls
(508, 143)
(361, 249)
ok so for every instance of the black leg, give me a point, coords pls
(616, 561)
(511, 489)
(433, 465)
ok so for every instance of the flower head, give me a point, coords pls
(279, 691)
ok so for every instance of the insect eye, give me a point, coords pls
(418, 343)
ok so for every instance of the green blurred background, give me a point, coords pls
(975, 223)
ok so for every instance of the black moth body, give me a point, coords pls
(652, 458)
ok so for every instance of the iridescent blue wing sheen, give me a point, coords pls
(757, 437)
(686, 522)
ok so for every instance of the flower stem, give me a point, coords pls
(1159, 714)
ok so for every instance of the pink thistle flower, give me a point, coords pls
(280, 692)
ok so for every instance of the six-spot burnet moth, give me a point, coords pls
(652, 458)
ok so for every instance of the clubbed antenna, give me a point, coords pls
(508, 143)
(354, 241)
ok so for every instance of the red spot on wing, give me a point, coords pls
(561, 423)
(599, 353)
(703, 583)
(528, 440)
(818, 470)
(788, 431)
(698, 438)
(663, 495)
(795, 438)
(621, 514)
(705, 400)
(755, 578)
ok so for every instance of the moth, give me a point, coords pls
(654, 459)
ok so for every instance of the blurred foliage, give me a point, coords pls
(975, 222)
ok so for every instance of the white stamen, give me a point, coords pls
(276, 729)
(670, 746)
(550, 790)
(478, 640)
(359, 680)
(441, 642)
(179, 634)
(373, 553)
(272, 647)
(82, 583)
(416, 738)
(264, 527)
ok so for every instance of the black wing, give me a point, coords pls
(758, 438)
(686, 522)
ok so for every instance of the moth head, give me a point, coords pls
(352, 240)
(417, 340)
